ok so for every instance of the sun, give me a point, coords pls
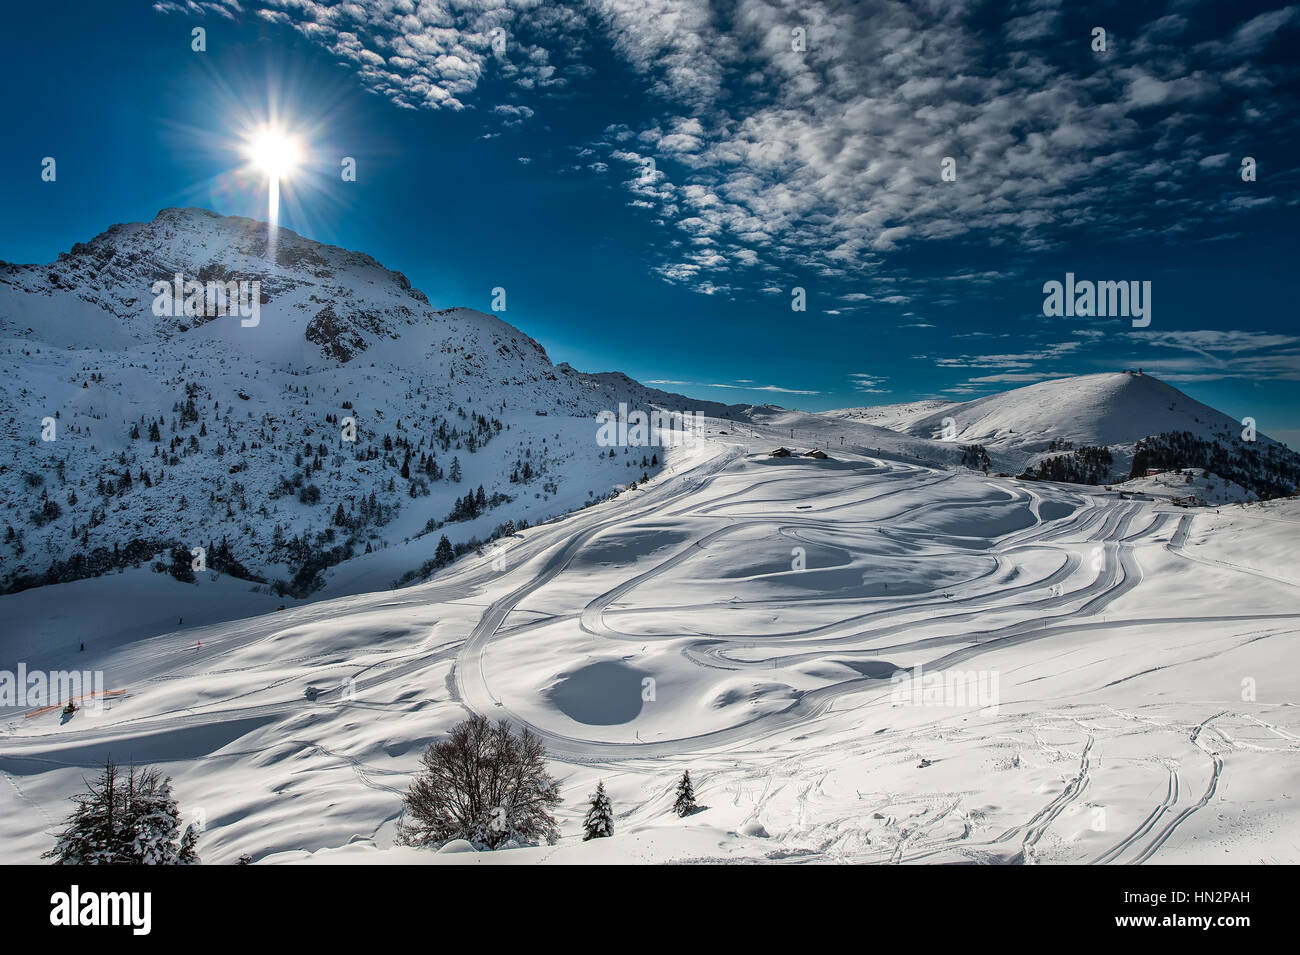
(275, 152)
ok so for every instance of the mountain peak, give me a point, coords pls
(1104, 409)
(339, 301)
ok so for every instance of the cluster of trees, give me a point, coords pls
(127, 818)
(483, 784)
(311, 554)
(480, 431)
(975, 457)
(1085, 465)
(413, 449)
(309, 577)
(180, 567)
(222, 559)
(522, 472)
(80, 565)
(490, 787)
(48, 512)
(1269, 470)
(472, 505)
(446, 552)
(217, 557)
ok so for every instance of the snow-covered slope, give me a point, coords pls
(190, 429)
(1185, 483)
(1101, 409)
(1091, 656)
(898, 417)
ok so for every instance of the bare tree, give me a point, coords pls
(483, 784)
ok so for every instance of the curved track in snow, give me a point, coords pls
(905, 566)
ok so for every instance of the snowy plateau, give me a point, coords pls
(1110, 560)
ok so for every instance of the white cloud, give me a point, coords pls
(868, 384)
(1020, 378)
(826, 162)
(1212, 354)
(739, 385)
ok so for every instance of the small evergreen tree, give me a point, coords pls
(444, 554)
(187, 855)
(685, 804)
(90, 837)
(125, 821)
(599, 823)
(180, 567)
(151, 821)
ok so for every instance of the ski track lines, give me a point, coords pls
(1171, 797)
(717, 496)
(1216, 772)
(1113, 527)
(1035, 827)
(149, 665)
(1178, 545)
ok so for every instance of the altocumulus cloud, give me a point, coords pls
(826, 160)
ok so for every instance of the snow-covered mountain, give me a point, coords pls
(127, 432)
(1023, 427)
(323, 439)
(791, 613)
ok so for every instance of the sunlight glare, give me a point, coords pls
(276, 153)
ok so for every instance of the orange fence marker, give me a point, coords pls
(59, 706)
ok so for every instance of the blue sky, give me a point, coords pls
(504, 143)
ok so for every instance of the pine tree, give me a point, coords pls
(125, 821)
(685, 804)
(181, 567)
(444, 554)
(599, 823)
(90, 836)
(151, 819)
(186, 855)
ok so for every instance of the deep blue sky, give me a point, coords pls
(774, 169)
